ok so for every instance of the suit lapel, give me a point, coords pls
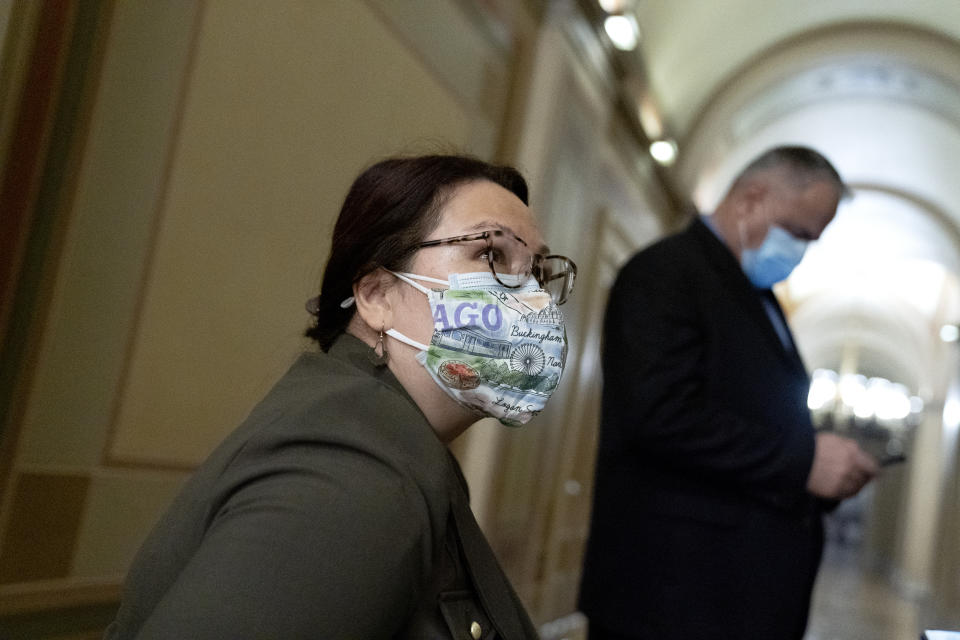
(739, 287)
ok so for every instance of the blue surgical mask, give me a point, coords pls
(774, 259)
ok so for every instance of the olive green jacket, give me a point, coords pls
(333, 511)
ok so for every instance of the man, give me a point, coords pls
(710, 480)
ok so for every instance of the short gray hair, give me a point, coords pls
(803, 163)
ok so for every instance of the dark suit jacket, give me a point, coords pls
(333, 511)
(702, 526)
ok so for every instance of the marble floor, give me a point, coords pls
(851, 604)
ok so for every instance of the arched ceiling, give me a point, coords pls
(875, 86)
(691, 49)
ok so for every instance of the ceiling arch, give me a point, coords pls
(882, 101)
(691, 54)
(898, 73)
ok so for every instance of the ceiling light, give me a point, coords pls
(852, 388)
(650, 118)
(890, 401)
(951, 413)
(623, 30)
(950, 333)
(664, 151)
(823, 390)
(612, 6)
(916, 404)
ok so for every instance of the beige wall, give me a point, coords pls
(275, 126)
(223, 138)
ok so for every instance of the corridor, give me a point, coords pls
(170, 179)
(852, 603)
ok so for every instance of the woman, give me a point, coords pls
(335, 509)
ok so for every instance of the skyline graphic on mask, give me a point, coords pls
(495, 350)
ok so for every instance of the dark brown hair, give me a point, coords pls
(390, 208)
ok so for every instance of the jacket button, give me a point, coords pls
(475, 630)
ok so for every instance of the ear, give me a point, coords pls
(374, 295)
(748, 225)
(753, 196)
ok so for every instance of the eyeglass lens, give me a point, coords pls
(513, 264)
(556, 277)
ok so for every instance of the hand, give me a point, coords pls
(840, 467)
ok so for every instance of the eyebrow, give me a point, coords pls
(543, 249)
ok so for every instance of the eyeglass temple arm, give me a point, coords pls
(467, 238)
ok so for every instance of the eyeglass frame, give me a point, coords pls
(538, 259)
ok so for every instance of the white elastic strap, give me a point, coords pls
(425, 278)
(409, 278)
(393, 333)
(406, 277)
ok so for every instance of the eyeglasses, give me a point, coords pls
(509, 257)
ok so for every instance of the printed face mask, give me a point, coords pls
(774, 259)
(495, 350)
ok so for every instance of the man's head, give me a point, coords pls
(793, 188)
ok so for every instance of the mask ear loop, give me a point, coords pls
(396, 335)
(741, 231)
(410, 279)
(742, 225)
(406, 277)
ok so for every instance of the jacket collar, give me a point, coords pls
(352, 350)
(739, 287)
(498, 598)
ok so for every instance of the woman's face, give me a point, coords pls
(473, 207)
